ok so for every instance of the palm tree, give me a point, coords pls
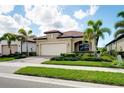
(21, 39)
(120, 25)
(26, 36)
(9, 37)
(96, 31)
(88, 36)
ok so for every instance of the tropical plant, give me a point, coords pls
(95, 31)
(88, 36)
(26, 36)
(9, 37)
(120, 25)
(20, 38)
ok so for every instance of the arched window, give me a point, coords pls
(82, 46)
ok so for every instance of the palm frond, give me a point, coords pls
(121, 14)
(9, 37)
(98, 23)
(29, 32)
(20, 38)
(88, 34)
(119, 32)
(90, 23)
(22, 32)
(102, 36)
(119, 24)
(106, 30)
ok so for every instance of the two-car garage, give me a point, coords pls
(53, 48)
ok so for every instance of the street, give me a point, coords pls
(16, 83)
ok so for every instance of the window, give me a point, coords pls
(84, 47)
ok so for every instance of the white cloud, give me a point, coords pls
(21, 21)
(80, 14)
(50, 17)
(12, 24)
(46, 17)
(7, 24)
(6, 8)
(93, 10)
(90, 12)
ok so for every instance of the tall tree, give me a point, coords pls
(88, 36)
(20, 38)
(119, 25)
(96, 31)
(26, 36)
(9, 37)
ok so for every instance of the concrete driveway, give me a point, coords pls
(36, 60)
(12, 66)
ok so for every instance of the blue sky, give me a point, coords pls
(63, 18)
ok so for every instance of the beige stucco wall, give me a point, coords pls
(52, 39)
(120, 44)
(116, 45)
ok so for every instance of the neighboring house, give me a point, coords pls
(56, 42)
(116, 44)
(16, 47)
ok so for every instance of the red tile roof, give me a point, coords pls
(67, 34)
(52, 31)
(71, 33)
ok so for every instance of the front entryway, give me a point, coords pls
(81, 46)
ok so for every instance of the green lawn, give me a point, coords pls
(83, 63)
(2, 59)
(77, 75)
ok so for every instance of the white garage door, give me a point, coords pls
(53, 49)
(6, 51)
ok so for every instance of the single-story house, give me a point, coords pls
(16, 47)
(117, 44)
(56, 42)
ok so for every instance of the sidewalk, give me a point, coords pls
(68, 83)
(19, 65)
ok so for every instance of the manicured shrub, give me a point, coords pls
(32, 53)
(91, 59)
(20, 56)
(71, 58)
(11, 55)
(24, 53)
(23, 56)
(113, 53)
(115, 62)
(81, 53)
(107, 57)
(68, 55)
(121, 53)
(60, 58)
(84, 57)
